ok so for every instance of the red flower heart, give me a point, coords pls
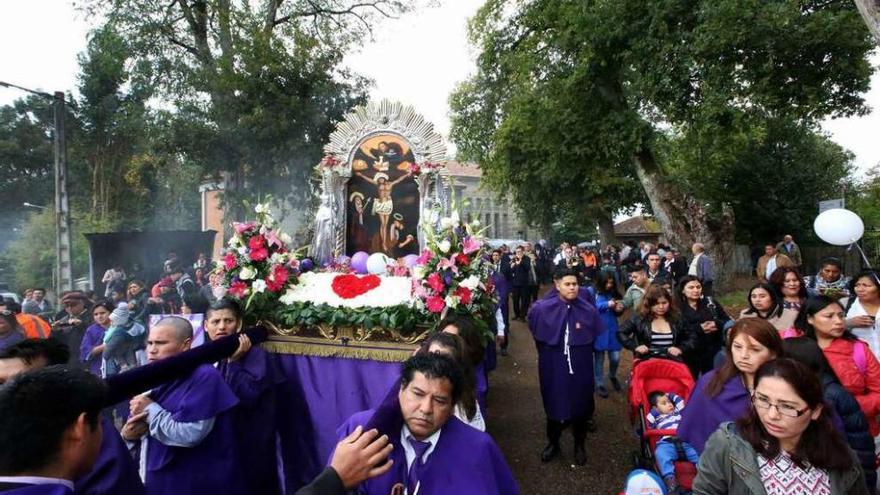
(349, 286)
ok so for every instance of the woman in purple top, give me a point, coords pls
(92, 348)
(724, 394)
(11, 332)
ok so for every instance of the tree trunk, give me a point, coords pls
(870, 10)
(606, 228)
(684, 219)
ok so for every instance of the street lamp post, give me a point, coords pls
(63, 265)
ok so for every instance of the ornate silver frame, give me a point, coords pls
(384, 117)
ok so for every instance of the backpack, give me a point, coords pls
(860, 358)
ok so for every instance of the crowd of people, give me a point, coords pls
(786, 398)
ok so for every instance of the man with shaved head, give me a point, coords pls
(184, 428)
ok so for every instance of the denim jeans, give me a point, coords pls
(599, 365)
(667, 454)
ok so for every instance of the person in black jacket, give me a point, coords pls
(520, 270)
(657, 327)
(858, 436)
(705, 320)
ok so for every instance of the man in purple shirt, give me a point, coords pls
(52, 418)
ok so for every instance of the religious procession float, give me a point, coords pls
(389, 257)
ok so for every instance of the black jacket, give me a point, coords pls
(693, 319)
(637, 331)
(327, 483)
(521, 272)
(855, 425)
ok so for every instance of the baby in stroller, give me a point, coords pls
(665, 414)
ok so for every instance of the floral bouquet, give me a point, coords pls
(257, 265)
(453, 272)
(417, 169)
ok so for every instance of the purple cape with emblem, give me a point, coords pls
(703, 414)
(211, 466)
(465, 461)
(114, 470)
(567, 381)
(253, 379)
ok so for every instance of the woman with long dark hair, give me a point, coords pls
(474, 349)
(789, 284)
(656, 328)
(723, 394)
(705, 319)
(786, 443)
(608, 302)
(823, 320)
(765, 303)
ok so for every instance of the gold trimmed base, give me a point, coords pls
(388, 352)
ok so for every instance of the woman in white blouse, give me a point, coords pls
(862, 309)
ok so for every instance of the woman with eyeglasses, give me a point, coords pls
(823, 320)
(11, 332)
(785, 443)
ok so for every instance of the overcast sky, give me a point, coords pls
(417, 60)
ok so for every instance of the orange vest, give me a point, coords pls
(34, 326)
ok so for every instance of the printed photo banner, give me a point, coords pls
(197, 320)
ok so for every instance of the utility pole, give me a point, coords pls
(63, 273)
(62, 205)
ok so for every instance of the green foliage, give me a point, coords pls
(773, 172)
(866, 199)
(403, 318)
(255, 86)
(568, 94)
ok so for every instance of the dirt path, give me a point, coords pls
(517, 422)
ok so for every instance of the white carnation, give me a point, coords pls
(444, 246)
(452, 301)
(471, 282)
(242, 250)
(418, 272)
(247, 273)
(259, 285)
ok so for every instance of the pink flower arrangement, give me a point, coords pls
(257, 265)
(453, 271)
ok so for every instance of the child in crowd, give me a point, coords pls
(665, 414)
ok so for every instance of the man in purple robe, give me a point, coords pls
(114, 470)
(185, 427)
(564, 329)
(433, 452)
(51, 430)
(252, 376)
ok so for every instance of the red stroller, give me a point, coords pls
(668, 376)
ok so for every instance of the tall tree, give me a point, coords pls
(256, 85)
(619, 77)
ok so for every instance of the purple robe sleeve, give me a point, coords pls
(703, 414)
(114, 470)
(249, 377)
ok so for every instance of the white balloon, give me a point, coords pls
(839, 227)
(377, 263)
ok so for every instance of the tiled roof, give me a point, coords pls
(458, 169)
(637, 225)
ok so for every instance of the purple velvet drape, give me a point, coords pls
(319, 395)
